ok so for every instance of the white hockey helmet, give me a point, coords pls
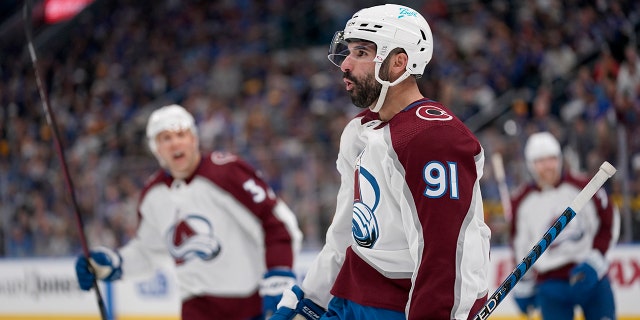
(389, 26)
(171, 117)
(541, 145)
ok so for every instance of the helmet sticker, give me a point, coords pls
(406, 12)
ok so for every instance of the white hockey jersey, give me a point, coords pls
(223, 227)
(594, 228)
(408, 233)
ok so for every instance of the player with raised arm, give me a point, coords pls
(232, 239)
(573, 270)
(408, 239)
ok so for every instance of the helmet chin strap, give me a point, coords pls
(385, 87)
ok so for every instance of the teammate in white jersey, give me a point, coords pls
(573, 270)
(408, 239)
(232, 239)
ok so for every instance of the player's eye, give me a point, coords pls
(361, 53)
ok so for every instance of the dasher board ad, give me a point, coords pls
(47, 289)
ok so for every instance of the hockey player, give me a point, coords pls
(573, 270)
(233, 241)
(408, 239)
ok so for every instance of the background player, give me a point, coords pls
(232, 239)
(573, 271)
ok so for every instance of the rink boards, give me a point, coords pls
(46, 289)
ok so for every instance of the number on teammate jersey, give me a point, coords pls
(259, 194)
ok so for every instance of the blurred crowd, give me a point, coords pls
(255, 75)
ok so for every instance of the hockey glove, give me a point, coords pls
(293, 303)
(526, 304)
(585, 276)
(105, 264)
(275, 282)
(524, 293)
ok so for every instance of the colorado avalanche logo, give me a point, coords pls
(433, 113)
(364, 225)
(192, 237)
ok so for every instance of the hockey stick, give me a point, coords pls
(505, 200)
(498, 170)
(604, 173)
(27, 16)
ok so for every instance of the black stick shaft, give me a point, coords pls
(525, 264)
(27, 15)
(604, 173)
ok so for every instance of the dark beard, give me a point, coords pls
(365, 92)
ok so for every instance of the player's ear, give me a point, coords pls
(400, 60)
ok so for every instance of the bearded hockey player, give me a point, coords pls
(408, 239)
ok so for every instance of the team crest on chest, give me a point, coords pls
(433, 113)
(364, 224)
(192, 237)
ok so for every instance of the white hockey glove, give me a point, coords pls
(105, 265)
(274, 283)
(295, 306)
